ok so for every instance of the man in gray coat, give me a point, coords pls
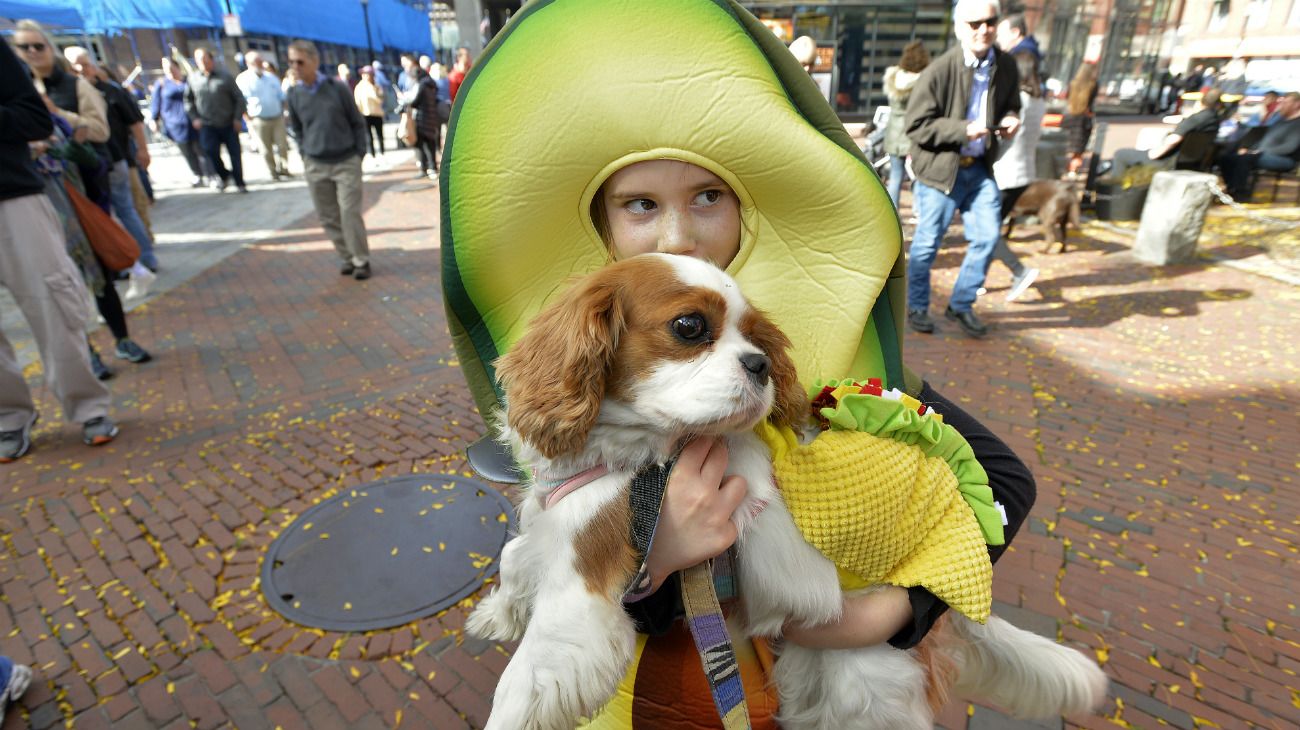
(331, 135)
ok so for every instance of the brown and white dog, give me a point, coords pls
(635, 359)
(1055, 203)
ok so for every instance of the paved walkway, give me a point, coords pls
(1157, 407)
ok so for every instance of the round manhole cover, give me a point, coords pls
(387, 553)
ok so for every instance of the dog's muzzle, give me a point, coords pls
(758, 366)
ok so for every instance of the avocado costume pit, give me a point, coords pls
(572, 91)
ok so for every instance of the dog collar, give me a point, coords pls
(557, 490)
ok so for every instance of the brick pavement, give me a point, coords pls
(1157, 408)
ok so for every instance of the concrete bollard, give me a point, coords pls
(1173, 217)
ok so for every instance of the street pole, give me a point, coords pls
(365, 12)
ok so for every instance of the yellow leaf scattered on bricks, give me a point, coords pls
(347, 606)
(356, 673)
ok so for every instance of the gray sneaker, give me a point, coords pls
(128, 350)
(14, 444)
(98, 431)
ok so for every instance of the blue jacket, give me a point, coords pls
(167, 107)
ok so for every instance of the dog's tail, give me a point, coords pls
(1028, 675)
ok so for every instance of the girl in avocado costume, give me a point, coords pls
(593, 129)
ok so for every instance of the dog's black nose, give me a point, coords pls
(757, 365)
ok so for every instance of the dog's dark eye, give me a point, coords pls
(690, 328)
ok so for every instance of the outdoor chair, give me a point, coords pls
(1196, 152)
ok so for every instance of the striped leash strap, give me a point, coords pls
(709, 629)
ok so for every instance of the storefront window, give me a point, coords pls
(856, 42)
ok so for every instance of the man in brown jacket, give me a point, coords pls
(964, 102)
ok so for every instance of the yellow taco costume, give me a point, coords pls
(572, 91)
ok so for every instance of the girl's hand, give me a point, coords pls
(695, 522)
(868, 619)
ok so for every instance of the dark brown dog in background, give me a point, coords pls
(1055, 204)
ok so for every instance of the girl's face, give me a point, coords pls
(670, 206)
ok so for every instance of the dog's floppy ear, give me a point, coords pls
(554, 377)
(790, 407)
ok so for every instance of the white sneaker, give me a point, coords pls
(1022, 282)
(141, 279)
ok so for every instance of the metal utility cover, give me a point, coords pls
(387, 553)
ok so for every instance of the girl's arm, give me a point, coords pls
(868, 619)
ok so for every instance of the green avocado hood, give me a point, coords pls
(572, 90)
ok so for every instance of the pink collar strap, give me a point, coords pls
(571, 484)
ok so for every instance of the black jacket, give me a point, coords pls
(23, 119)
(123, 113)
(936, 114)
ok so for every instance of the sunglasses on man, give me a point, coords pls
(30, 47)
(991, 21)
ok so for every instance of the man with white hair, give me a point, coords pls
(331, 135)
(963, 103)
(265, 113)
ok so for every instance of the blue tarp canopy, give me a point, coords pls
(63, 13)
(331, 21)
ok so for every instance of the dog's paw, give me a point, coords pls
(550, 685)
(498, 617)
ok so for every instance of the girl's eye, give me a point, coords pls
(708, 197)
(690, 328)
(640, 205)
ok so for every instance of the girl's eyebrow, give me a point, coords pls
(621, 195)
(694, 187)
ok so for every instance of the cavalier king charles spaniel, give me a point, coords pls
(633, 361)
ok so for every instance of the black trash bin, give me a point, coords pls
(1115, 203)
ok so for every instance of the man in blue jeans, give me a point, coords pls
(961, 105)
(216, 107)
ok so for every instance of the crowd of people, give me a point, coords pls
(77, 192)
